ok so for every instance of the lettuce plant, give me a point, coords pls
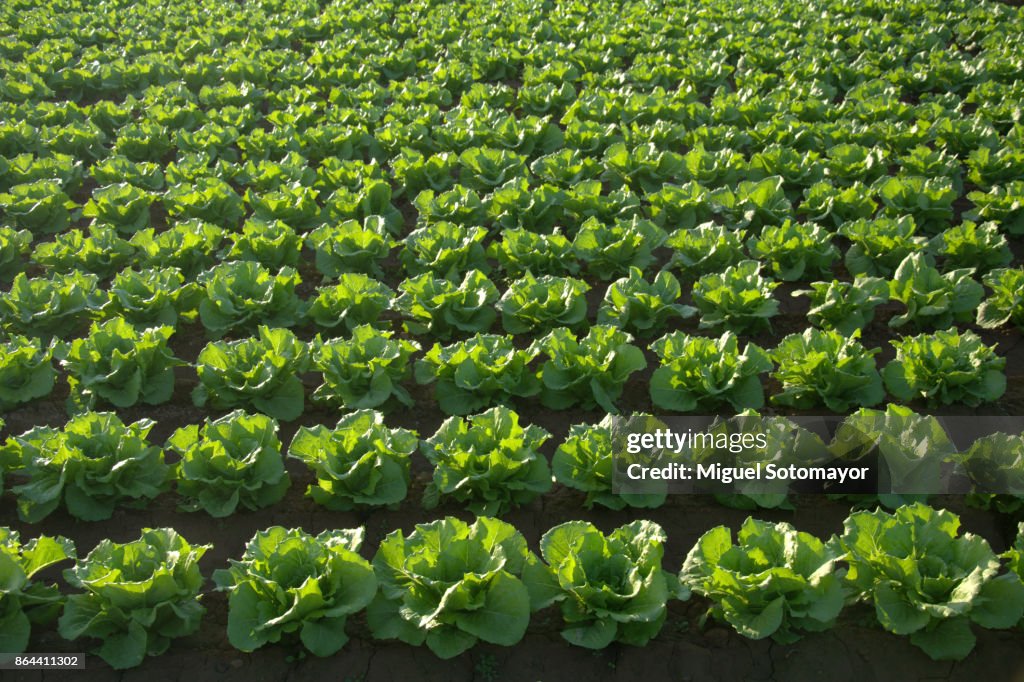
(116, 169)
(121, 365)
(845, 307)
(487, 462)
(824, 202)
(879, 246)
(271, 243)
(518, 205)
(143, 141)
(933, 163)
(450, 584)
(481, 371)
(365, 371)
(583, 461)
(589, 371)
(611, 588)
(359, 463)
(1003, 204)
(26, 371)
(565, 167)
(121, 205)
(945, 368)
(753, 203)
(92, 465)
(208, 199)
(644, 307)
(444, 250)
(988, 167)
(738, 299)
(611, 249)
(262, 372)
(849, 163)
(785, 443)
(995, 462)
(14, 245)
(928, 200)
(714, 167)
(933, 299)
(151, 297)
(99, 251)
(620, 209)
(416, 172)
(354, 300)
(459, 205)
(290, 583)
(241, 295)
(483, 168)
(826, 367)
(351, 246)
(372, 202)
(645, 168)
(926, 580)
(442, 308)
(49, 306)
(267, 175)
(797, 169)
(189, 246)
(700, 373)
(292, 203)
(41, 207)
(25, 602)
(705, 248)
(231, 462)
(681, 207)
(795, 251)
(969, 245)
(47, 165)
(520, 251)
(1006, 303)
(535, 305)
(774, 581)
(137, 596)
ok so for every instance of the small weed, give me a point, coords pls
(486, 669)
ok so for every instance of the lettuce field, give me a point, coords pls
(316, 316)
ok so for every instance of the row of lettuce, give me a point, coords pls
(794, 251)
(451, 294)
(641, 180)
(123, 366)
(449, 584)
(486, 463)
